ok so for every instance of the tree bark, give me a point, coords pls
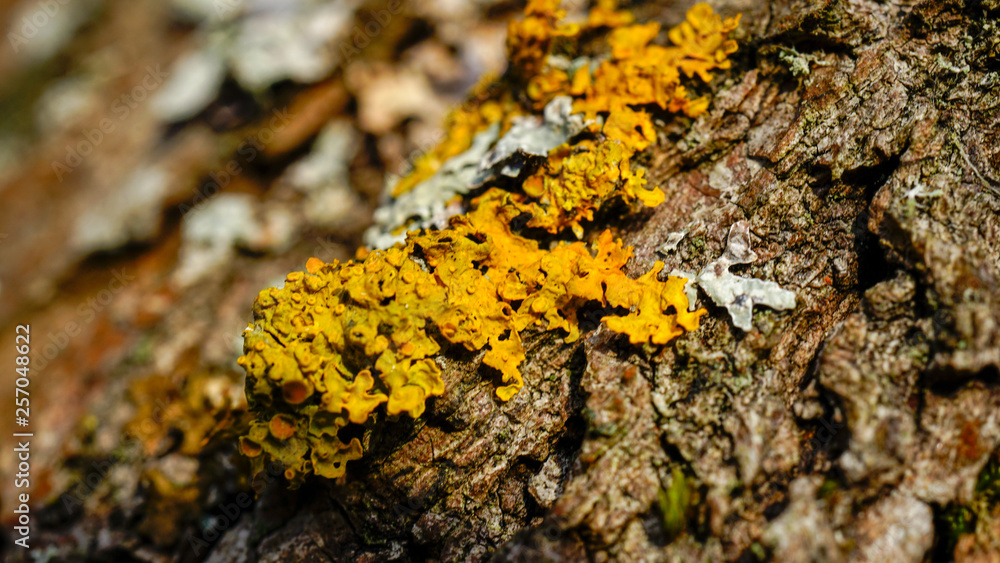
(858, 140)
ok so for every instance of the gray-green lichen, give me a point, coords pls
(532, 135)
(426, 205)
(737, 294)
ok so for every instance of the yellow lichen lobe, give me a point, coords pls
(640, 72)
(570, 188)
(650, 321)
(530, 39)
(703, 39)
(193, 409)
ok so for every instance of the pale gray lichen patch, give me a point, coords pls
(532, 135)
(131, 213)
(212, 233)
(738, 294)
(193, 83)
(257, 42)
(426, 205)
(429, 204)
(675, 238)
(798, 64)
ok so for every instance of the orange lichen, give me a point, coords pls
(363, 334)
(577, 180)
(341, 339)
(529, 40)
(183, 416)
(641, 73)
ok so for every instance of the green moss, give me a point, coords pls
(828, 487)
(955, 520)
(988, 483)
(504, 435)
(673, 503)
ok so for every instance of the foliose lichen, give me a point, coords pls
(341, 339)
(737, 294)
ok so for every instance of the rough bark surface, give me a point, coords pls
(859, 141)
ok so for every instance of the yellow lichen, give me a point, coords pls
(577, 180)
(360, 334)
(182, 415)
(638, 74)
(189, 419)
(641, 73)
(605, 13)
(703, 40)
(529, 40)
(634, 129)
(575, 183)
(341, 339)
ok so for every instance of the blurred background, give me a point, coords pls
(160, 163)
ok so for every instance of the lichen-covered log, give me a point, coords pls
(856, 140)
